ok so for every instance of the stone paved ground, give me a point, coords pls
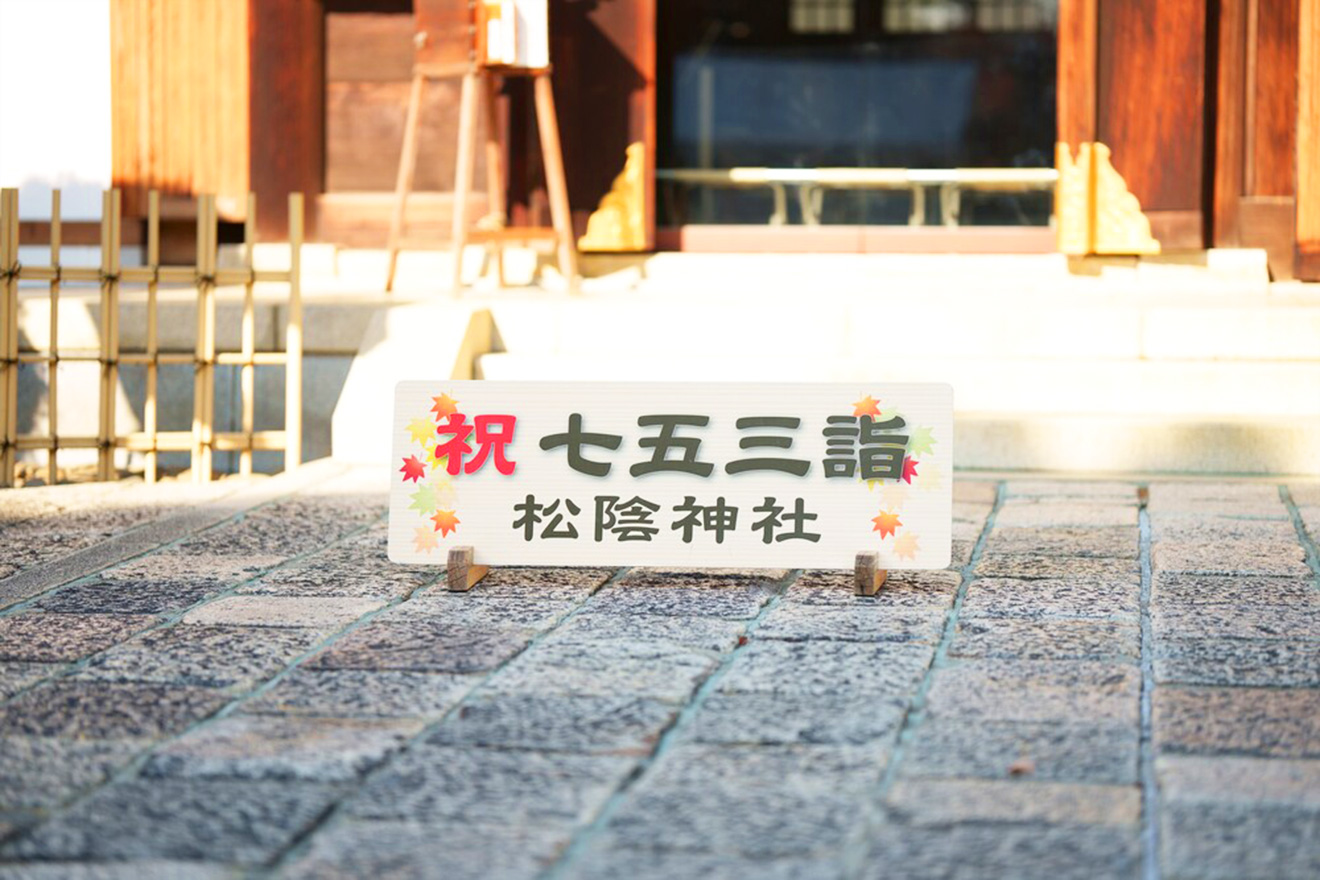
(1113, 680)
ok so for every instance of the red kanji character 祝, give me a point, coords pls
(492, 435)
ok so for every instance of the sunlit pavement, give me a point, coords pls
(1113, 679)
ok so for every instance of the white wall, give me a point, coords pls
(55, 104)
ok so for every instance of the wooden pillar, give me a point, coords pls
(287, 111)
(1308, 142)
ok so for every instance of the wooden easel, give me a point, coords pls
(480, 87)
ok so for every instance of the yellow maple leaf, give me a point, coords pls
(892, 495)
(421, 430)
(930, 477)
(424, 540)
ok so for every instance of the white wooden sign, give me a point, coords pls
(517, 32)
(674, 474)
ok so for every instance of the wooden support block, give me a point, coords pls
(868, 577)
(463, 575)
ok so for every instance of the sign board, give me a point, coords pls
(702, 475)
(513, 33)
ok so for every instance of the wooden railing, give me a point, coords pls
(205, 276)
(811, 184)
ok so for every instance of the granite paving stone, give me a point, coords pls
(15, 675)
(1033, 690)
(1066, 751)
(1240, 662)
(607, 863)
(1269, 722)
(384, 849)
(1282, 557)
(91, 709)
(946, 802)
(1035, 566)
(1118, 598)
(1173, 620)
(1023, 852)
(1239, 817)
(1209, 529)
(1216, 589)
(422, 644)
(774, 800)
(902, 589)
(361, 693)
(121, 595)
(541, 583)
(856, 623)
(807, 669)
(491, 786)
(702, 633)
(646, 669)
(615, 725)
(460, 609)
(203, 655)
(1052, 639)
(40, 772)
(247, 823)
(1105, 542)
(279, 747)
(320, 613)
(734, 598)
(136, 869)
(1094, 490)
(39, 637)
(769, 719)
(1067, 513)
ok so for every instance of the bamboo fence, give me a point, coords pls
(203, 439)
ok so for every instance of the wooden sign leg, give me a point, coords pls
(407, 168)
(494, 171)
(463, 575)
(868, 577)
(467, 142)
(555, 182)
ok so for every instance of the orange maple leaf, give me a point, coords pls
(886, 523)
(445, 522)
(910, 469)
(444, 406)
(867, 406)
(412, 469)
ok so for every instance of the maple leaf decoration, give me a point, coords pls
(910, 469)
(905, 547)
(922, 440)
(445, 522)
(423, 500)
(424, 540)
(445, 406)
(886, 523)
(412, 469)
(867, 406)
(421, 430)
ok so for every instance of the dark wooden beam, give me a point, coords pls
(287, 115)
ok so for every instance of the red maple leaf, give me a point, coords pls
(444, 406)
(445, 522)
(885, 523)
(910, 469)
(412, 469)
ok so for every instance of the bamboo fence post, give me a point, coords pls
(53, 359)
(203, 378)
(247, 389)
(105, 440)
(8, 333)
(149, 411)
(293, 341)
